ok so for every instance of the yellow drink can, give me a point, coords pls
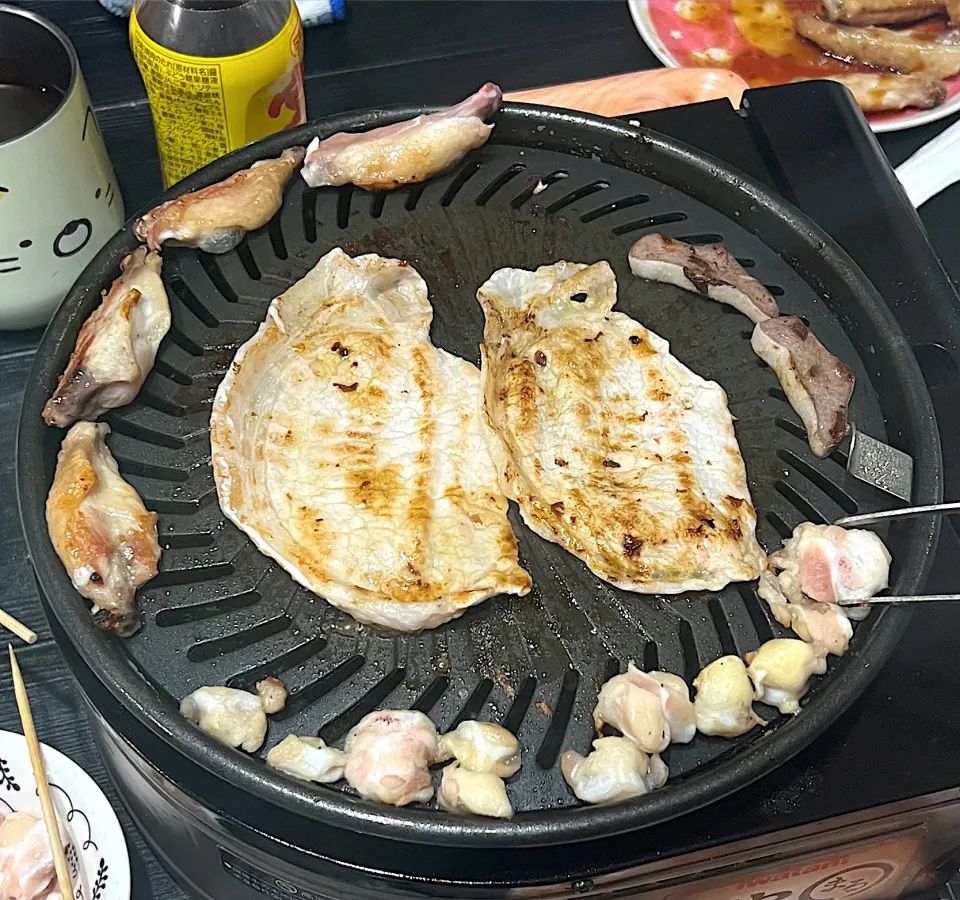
(206, 106)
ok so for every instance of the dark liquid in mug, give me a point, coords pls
(24, 107)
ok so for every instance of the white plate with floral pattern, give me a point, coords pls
(95, 847)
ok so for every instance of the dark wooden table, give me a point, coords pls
(387, 52)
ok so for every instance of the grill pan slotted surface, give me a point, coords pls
(220, 612)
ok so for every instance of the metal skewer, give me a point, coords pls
(924, 598)
(940, 509)
(40, 776)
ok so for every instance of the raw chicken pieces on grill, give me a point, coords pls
(652, 709)
(816, 623)
(478, 793)
(26, 859)
(234, 717)
(616, 770)
(818, 385)
(482, 747)
(116, 347)
(709, 270)
(216, 218)
(389, 754)
(273, 694)
(611, 446)
(405, 153)
(103, 534)
(780, 671)
(308, 758)
(353, 451)
(724, 702)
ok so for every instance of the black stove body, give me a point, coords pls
(871, 809)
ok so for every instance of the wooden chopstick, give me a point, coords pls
(40, 776)
(18, 628)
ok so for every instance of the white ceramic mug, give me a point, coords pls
(59, 200)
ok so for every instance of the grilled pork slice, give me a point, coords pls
(885, 48)
(887, 92)
(707, 270)
(353, 451)
(611, 446)
(103, 534)
(818, 385)
(405, 153)
(216, 218)
(116, 347)
(880, 12)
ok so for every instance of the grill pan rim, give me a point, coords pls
(113, 669)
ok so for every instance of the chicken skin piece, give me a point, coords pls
(308, 758)
(273, 695)
(116, 347)
(26, 859)
(482, 747)
(405, 153)
(614, 771)
(478, 793)
(235, 718)
(389, 754)
(724, 701)
(216, 218)
(103, 534)
(780, 671)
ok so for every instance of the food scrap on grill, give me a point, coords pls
(234, 717)
(340, 402)
(885, 48)
(463, 791)
(709, 270)
(216, 218)
(780, 671)
(405, 153)
(103, 534)
(817, 384)
(27, 869)
(611, 446)
(724, 702)
(273, 694)
(482, 747)
(116, 347)
(389, 754)
(889, 91)
(616, 770)
(307, 758)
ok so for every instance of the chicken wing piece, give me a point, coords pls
(724, 702)
(478, 793)
(482, 747)
(780, 671)
(116, 347)
(885, 48)
(708, 270)
(216, 218)
(103, 534)
(389, 754)
(616, 770)
(880, 12)
(888, 92)
(26, 859)
(308, 758)
(405, 153)
(234, 717)
(818, 385)
(830, 564)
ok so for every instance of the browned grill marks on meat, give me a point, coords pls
(557, 507)
(631, 545)
(560, 462)
(611, 464)
(346, 388)
(596, 337)
(634, 339)
(540, 358)
(339, 348)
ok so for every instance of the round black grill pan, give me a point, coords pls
(548, 186)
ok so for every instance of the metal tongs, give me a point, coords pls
(937, 509)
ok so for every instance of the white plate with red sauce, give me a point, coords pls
(756, 39)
